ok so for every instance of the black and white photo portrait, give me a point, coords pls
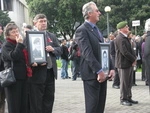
(37, 51)
(36, 46)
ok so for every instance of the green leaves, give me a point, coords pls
(64, 14)
(4, 18)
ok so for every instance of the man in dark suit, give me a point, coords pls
(147, 51)
(42, 82)
(88, 38)
(125, 60)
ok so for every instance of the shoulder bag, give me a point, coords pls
(7, 76)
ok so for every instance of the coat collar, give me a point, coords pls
(90, 28)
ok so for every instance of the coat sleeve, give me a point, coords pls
(12, 52)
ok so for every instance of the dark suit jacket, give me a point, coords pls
(40, 72)
(125, 54)
(147, 55)
(88, 41)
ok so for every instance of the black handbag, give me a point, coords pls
(7, 77)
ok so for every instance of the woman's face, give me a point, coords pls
(13, 34)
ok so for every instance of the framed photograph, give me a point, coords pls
(36, 46)
(105, 54)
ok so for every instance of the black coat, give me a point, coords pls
(88, 41)
(14, 52)
(125, 55)
(65, 53)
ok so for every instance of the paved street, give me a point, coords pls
(69, 97)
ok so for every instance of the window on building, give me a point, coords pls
(7, 5)
(0, 5)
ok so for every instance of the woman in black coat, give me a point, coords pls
(12, 52)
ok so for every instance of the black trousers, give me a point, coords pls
(95, 96)
(116, 81)
(41, 96)
(2, 99)
(16, 96)
(75, 68)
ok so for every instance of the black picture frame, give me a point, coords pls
(36, 47)
(105, 57)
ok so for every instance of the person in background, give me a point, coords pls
(147, 51)
(64, 60)
(138, 41)
(144, 71)
(42, 82)
(27, 28)
(125, 61)
(133, 45)
(88, 38)
(2, 92)
(75, 60)
(116, 81)
(12, 52)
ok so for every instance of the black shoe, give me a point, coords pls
(146, 84)
(133, 101)
(116, 87)
(126, 103)
(68, 77)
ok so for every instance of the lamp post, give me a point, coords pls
(107, 10)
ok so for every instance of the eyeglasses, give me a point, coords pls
(42, 20)
(14, 31)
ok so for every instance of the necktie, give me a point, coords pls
(99, 33)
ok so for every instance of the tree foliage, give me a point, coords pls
(65, 15)
(129, 11)
(4, 18)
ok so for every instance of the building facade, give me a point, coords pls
(17, 10)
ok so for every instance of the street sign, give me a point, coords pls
(136, 23)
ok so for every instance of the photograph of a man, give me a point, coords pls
(105, 61)
(37, 53)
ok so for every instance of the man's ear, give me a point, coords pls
(34, 23)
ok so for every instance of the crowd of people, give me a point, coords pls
(34, 90)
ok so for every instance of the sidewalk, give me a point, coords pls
(69, 97)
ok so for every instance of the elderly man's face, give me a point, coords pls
(94, 16)
(41, 24)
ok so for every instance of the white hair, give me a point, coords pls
(87, 8)
(147, 25)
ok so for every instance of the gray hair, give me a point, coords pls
(9, 27)
(87, 8)
(147, 25)
(39, 16)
